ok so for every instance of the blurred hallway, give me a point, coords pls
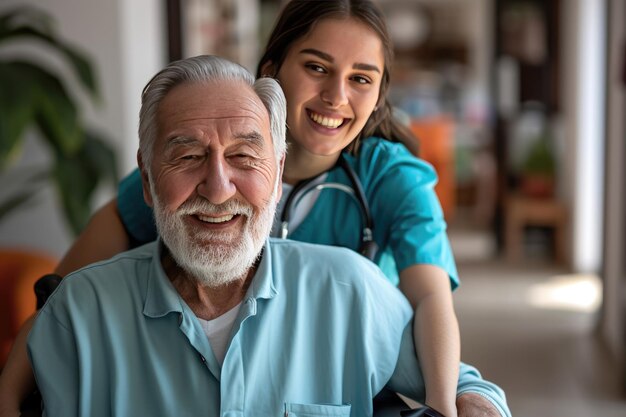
(531, 329)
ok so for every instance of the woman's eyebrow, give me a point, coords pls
(366, 67)
(318, 53)
(329, 58)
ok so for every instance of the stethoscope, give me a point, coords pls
(368, 247)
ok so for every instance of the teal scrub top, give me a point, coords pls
(409, 226)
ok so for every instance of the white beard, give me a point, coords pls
(214, 259)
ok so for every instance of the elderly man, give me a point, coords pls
(214, 319)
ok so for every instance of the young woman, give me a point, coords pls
(332, 59)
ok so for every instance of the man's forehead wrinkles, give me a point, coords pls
(230, 107)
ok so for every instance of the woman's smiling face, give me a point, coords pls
(331, 78)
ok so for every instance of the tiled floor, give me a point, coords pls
(533, 334)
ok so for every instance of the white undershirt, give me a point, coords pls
(298, 211)
(218, 331)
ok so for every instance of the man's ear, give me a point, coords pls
(268, 70)
(145, 180)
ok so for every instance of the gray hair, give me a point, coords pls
(203, 69)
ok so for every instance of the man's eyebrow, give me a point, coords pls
(323, 55)
(180, 141)
(253, 137)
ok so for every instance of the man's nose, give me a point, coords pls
(216, 185)
(334, 93)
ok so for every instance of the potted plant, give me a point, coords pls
(539, 169)
(32, 95)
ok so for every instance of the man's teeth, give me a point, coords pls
(326, 121)
(221, 219)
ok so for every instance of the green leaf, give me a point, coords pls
(52, 108)
(99, 155)
(56, 114)
(32, 95)
(29, 180)
(16, 111)
(25, 15)
(16, 201)
(79, 63)
(540, 158)
(32, 23)
(78, 175)
(75, 182)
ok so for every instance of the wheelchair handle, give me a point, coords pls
(45, 286)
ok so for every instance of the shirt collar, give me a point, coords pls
(262, 285)
(162, 298)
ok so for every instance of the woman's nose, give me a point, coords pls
(216, 184)
(334, 93)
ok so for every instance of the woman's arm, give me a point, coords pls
(17, 380)
(103, 237)
(436, 333)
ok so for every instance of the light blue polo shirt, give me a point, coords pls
(319, 333)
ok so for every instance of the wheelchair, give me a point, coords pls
(388, 404)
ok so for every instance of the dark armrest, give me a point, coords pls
(389, 404)
(45, 286)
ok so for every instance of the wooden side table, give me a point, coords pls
(524, 211)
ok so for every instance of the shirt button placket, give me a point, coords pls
(233, 373)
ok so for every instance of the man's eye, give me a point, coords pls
(241, 156)
(243, 159)
(191, 157)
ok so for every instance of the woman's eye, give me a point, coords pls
(361, 80)
(316, 68)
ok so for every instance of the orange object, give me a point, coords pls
(19, 270)
(436, 138)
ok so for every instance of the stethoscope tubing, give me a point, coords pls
(303, 192)
(356, 193)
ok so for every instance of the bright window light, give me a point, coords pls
(577, 292)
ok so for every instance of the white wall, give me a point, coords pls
(583, 77)
(614, 274)
(125, 41)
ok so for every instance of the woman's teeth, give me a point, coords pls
(221, 219)
(326, 121)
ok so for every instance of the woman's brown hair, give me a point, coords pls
(297, 19)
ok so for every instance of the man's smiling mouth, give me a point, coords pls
(212, 219)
